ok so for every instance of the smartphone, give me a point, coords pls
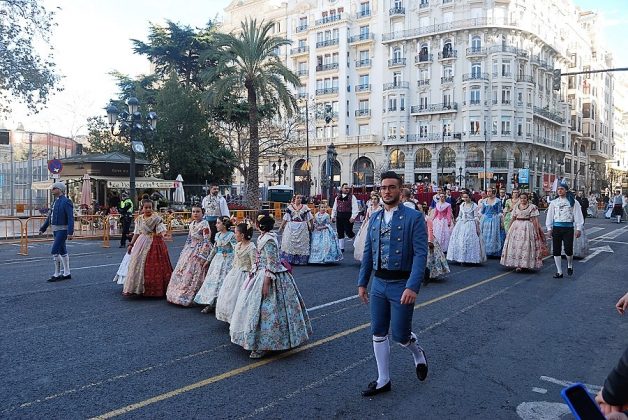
(581, 404)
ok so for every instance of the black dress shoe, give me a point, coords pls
(569, 271)
(52, 279)
(68, 277)
(372, 389)
(558, 276)
(421, 368)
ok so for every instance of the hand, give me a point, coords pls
(205, 264)
(430, 245)
(622, 304)
(578, 233)
(604, 406)
(363, 294)
(41, 233)
(351, 220)
(266, 287)
(408, 297)
(549, 232)
(129, 248)
(617, 416)
(70, 237)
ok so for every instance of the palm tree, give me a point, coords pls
(247, 65)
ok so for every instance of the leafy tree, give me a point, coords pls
(101, 140)
(247, 66)
(24, 74)
(176, 48)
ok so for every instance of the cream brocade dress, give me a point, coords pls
(240, 271)
(522, 248)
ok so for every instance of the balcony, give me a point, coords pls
(363, 14)
(301, 28)
(361, 38)
(333, 114)
(474, 76)
(502, 75)
(327, 67)
(474, 163)
(523, 54)
(424, 4)
(303, 49)
(327, 91)
(417, 138)
(423, 58)
(506, 133)
(503, 49)
(397, 11)
(473, 102)
(363, 63)
(447, 55)
(396, 85)
(446, 79)
(396, 62)
(327, 43)
(302, 72)
(476, 52)
(329, 19)
(362, 113)
(549, 142)
(524, 78)
(499, 164)
(535, 59)
(434, 108)
(302, 95)
(548, 115)
(362, 88)
(423, 83)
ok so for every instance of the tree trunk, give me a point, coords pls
(252, 180)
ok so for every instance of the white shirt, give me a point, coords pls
(388, 214)
(560, 210)
(222, 206)
(355, 209)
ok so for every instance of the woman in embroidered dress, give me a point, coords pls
(442, 221)
(521, 248)
(491, 224)
(242, 265)
(149, 267)
(192, 265)
(220, 261)
(269, 314)
(436, 261)
(465, 244)
(324, 247)
(295, 232)
(508, 206)
(358, 243)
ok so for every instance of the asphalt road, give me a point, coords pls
(500, 344)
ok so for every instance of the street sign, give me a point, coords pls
(138, 147)
(524, 176)
(55, 166)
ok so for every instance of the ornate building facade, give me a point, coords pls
(445, 91)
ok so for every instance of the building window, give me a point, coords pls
(476, 70)
(476, 43)
(475, 95)
(475, 127)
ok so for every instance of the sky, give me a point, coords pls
(93, 38)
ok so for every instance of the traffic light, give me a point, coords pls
(556, 74)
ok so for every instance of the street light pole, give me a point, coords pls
(485, 155)
(30, 173)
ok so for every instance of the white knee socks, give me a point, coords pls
(570, 261)
(65, 259)
(56, 258)
(414, 348)
(341, 243)
(559, 264)
(381, 348)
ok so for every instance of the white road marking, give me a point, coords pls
(611, 242)
(542, 410)
(539, 390)
(594, 229)
(95, 266)
(592, 389)
(324, 305)
(613, 234)
(596, 251)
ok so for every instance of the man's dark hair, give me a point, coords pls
(392, 175)
(343, 185)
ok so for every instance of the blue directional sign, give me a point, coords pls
(55, 166)
(524, 176)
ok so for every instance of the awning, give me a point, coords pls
(115, 182)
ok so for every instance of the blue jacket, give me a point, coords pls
(61, 213)
(408, 246)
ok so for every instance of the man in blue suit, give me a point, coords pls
(61, 219)
(396, 249)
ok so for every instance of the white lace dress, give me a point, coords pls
(465, 245)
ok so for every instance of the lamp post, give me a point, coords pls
(307, 166)
(460, 177)
(331, 158)
(20, 128)
(131, 125)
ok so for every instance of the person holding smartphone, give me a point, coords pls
(613, 398)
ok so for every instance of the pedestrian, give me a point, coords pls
(491, 224)
(61, 220)
(149, 267)
(295, 232)
(126, 217)
(510, 204)
(625, 206)
(407, 200)
(592, 210)
(442, 217)
(243, 262)
(220, 262)
(358, 243)
(465, 243)
(270, 314)
(396, 249)
(324, 248)
(523, 246)
(436, 264)
(563, 218)
(343, 213)
(618, 206)
(215, 206)
(192, 264)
